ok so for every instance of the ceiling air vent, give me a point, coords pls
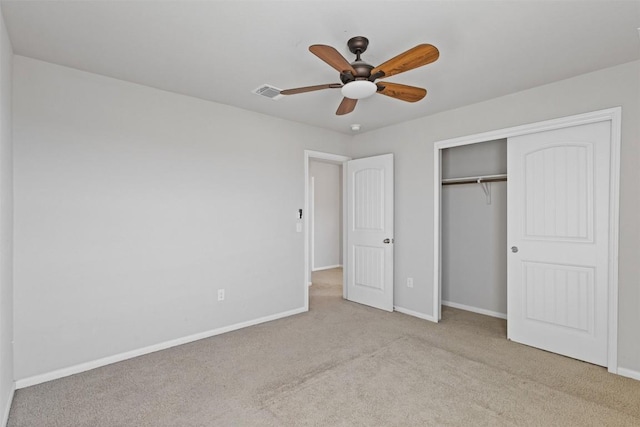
(268, 91)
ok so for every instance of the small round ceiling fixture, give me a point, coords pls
(359, 89)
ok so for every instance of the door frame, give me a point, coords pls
(613, 115)
(336, 159)
(311, 215)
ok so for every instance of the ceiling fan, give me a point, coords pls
(358, 78)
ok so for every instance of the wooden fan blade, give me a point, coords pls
(310, 88)
(332, 57)
(418, 56)
(403, 92)
(346, 106)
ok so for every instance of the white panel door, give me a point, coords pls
(370, 231)
(558, 234)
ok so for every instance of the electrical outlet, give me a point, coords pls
(410, 282)
(220, 294)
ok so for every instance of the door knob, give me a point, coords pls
(514, 249)
(386, 241)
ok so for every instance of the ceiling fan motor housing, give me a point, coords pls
(363, 72)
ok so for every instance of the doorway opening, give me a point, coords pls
(324, 239)
(325, 215)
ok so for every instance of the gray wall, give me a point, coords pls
(486, 158)
(412, 143)
(6, 224)
(474, 233)
(327, 215)
(133, 206)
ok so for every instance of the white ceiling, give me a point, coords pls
(222, 50)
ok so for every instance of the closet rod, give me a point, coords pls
(475, 180)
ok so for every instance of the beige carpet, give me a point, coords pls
(341, 364)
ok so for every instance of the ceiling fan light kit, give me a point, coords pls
(359, 89)
(358, 78)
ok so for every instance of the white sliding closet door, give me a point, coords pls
(558, 238)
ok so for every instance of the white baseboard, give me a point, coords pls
(7, 406)
(76, 369)
(328, 267)
(475, 309)
(629, 373)
(415, 314)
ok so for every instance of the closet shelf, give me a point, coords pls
(475, 179)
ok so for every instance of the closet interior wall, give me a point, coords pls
(474, 229)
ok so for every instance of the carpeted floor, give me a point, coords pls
(341, 364)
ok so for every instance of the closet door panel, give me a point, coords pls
(558, 224)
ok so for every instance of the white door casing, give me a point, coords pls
(558, 237)
(370, 231)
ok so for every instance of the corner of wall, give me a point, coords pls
(6, 408)
(7, 383)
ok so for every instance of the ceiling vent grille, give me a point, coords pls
(268, 91)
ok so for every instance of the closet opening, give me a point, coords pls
(474, 227)
(562, 231)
